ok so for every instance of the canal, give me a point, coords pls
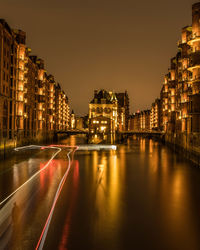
(141, 196)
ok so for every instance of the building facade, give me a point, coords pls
(140, 121)
(108, 113)
(155, 115)
(103, 115)
(123, 110)
(32, 104)
(180, 92)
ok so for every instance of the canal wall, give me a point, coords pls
(122, 138)
(7, 145)
(188, 145)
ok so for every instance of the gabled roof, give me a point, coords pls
(103, 94)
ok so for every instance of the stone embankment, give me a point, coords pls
(186, 144)
(7, 145)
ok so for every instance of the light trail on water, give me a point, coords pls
(48, 221)
(33, 176)
(42, 238)
(43, 235)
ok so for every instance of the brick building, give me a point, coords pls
(32, 104)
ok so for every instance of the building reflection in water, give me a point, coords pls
(168, 183)
(108, 176)
(142, 144)
(113, 198)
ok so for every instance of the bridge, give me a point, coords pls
(128, 132)
(73, 132)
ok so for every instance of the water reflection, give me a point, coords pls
(138, 197)
(69, 214)
(26, 210)
(142, 196)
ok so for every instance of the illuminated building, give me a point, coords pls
(33, 106)
(62, 117)
(194, 69)
(155, 116)
(100, 126)
(51, 103)
(79, 123)
(184, 86)
(103, 106)
(145, 120)
(21, 83)
(123, 110)
(8, 78)
(108, 113)
(140, 121)
(73, 120)
(180, 94)
(134, 122)
(30, 101)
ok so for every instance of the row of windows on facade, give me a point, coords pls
(102, 122)
(100, 110)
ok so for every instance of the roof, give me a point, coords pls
(108, 98)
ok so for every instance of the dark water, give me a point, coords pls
(142, 196)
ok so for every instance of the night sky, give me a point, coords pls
(113, 44)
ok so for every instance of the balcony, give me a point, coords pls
(193, 39)
(194, 104)
(194, 61)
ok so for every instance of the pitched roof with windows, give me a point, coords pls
(107, 97)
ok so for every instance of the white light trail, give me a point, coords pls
(28, 147)
(97, 147)
(33, 176)
(59, 189)
(58, 147)
(48, 221)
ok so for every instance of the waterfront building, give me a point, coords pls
(30, 101)
(61, 109)
(8, 78)
(145, 120)
(21, 83)
(134, 122)
(194, 69)
(123, 110)
(140, 121)
(155, 116)
(180, 93)
(103, 115)
(79, 123)
(51, 103)
(33, 106)
(72, 120)
(115, 106)
(100, 128)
